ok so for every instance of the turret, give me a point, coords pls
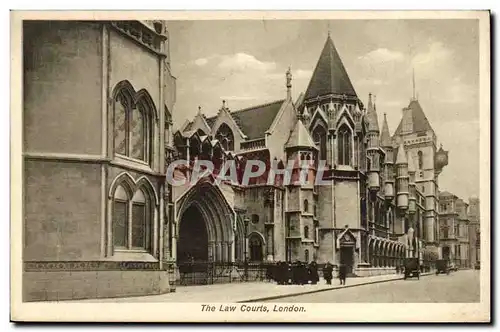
(373, 150)
(386, 144)
(402, 178)
(411, 186)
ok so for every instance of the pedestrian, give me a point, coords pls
(327, 273)
(342, 273)
(313, 272)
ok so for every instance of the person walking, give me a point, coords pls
(342, 273)
(313, 272)
(327, 273)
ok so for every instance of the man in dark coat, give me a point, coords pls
(327, 273)
(342, 273)
(313, 272)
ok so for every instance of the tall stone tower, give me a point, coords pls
(417, 137)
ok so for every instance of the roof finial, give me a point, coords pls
(223, 103)
(289, 82)
(199, 110)
(414, 97)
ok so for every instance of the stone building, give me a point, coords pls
(98, 98)
(379, 204)
(455, 229)
(474, 232)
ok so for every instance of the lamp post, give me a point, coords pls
(246, 221)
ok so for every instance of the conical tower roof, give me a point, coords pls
(330, 75)
(401, 157)
(371, 116)
(385, 136)
(300, 137)
(414, 119)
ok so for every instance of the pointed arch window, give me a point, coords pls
(344, 146)
(306, 232)
(319, 136)
(133, 127)
(306, 205)
(306, 256)
(420, 160)
(132, 219)
(225, 136)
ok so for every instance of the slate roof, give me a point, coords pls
(299, 137)
(418, 119)
(330, 75)
(254, 121)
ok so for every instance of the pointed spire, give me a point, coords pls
(330, 75)
(413, 78)
(401, 157)
(385, 136)
(300, 137)
(371, 116)
(289, 83)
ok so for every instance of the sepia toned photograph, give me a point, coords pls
(250, 166)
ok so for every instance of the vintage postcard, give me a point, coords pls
(250, 166)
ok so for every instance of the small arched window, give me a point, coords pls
(306, 256)
(420, 160)
(306, 205)
(319, 136)
(132, 220)
(306, 232)
(225, 136)
(133, 127)
(344, 146)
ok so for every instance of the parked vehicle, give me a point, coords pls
(442, 266)
(412, 268)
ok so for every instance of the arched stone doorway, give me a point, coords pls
(205, 224)
(193, 237)
(256, 248)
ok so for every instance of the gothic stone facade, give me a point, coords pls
(379, 204)
(97, 102)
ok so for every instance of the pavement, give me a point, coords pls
(249, 292)
(462, 286)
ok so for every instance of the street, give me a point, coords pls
(458, 287)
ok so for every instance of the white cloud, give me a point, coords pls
(381, 55)
(437, 53)
(201, 62)
(243, 61)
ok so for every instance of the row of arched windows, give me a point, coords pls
(344, 144)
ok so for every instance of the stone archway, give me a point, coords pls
(205, 205)
(193, 236)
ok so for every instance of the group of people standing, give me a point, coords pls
(300, 273)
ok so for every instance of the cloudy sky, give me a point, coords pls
(244, 62)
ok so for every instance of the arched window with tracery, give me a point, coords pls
(344, 146)
(225, 136)
(319, 136)
(420, 160)
(132, 219)
(133, 124)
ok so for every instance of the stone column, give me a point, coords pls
(211, 250)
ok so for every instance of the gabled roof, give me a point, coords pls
(299, 137)
(254, 121)
(330, 75)
(415, 118)
(385, 136)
